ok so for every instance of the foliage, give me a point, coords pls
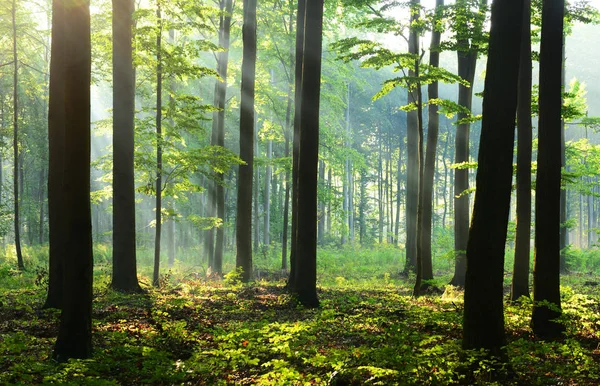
(205, 332)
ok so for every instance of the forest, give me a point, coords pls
(310, 192)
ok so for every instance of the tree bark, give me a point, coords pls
(412, 165)
(75, 331)
(431, 155)
(57, 224)
(124, 235)
(546, 272)
(159, 138)
(222, 94)
(300, 18)
(520, 282)
(306, 268)
(16, 157)
(483, 322)
(247, 122)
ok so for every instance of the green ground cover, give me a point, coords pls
(369, 330)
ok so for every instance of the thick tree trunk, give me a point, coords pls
(546, 273)
(57, 232)
(75, 331)
(306, 267)
(124, 236)
(483, 323)
(159, 138)
(247, 122)
(520, 282)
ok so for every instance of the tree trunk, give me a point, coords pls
(171, 242)
(300, 17)
(564, 231)
(267, 195)
(16, 169)
(483, 323)
(412, 166)
(57, 224)
(158, 205)
(247, 122)
(306, 267)
(75, 331)
(124, 236)
(546, 273)
(466, 70)
(321, 215)
(222, 94)
(520, 282)
(431, 155)
(286, 203)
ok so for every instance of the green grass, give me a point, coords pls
(368, 330)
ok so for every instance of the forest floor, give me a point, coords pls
(197, 332)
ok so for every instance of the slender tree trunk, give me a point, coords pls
(75, 331)
(256, 192)
(306, 270)
(171, 242)
(546, 272)
(267, 195)
(412, 166)
(222, 94)
(159, 138)
(564, 231)
(321, 216)
(300, 18)
(466, 70)
(286, 203)
(430, 157)
(380, 188)
(520, 282)
(247, 123)
(124, 235)
(421, 197)
(362, 206)
(41, 201)
(483, 322)
(16, 157)
(398, 194)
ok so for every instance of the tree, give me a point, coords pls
(16, 157)
(520, 282)
(431, 151)
(159, 145)
(305, 283)
(299, 57)
(56, 154)
(75, 331)
(546, 273)
(483, 323)
(468, 40)
(124, 237)
(245, 173)
(413, 165)
(221, 88)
